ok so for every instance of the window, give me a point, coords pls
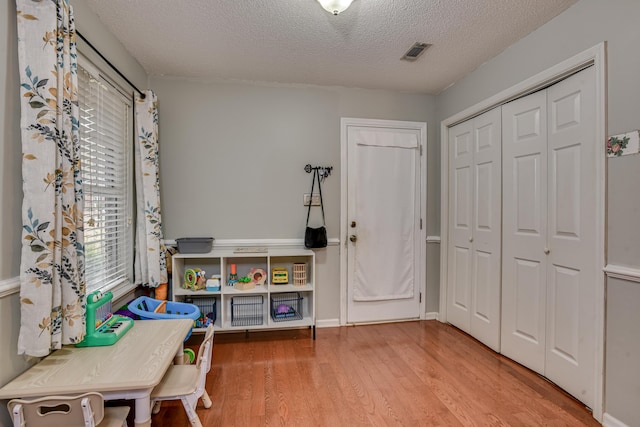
(106, 124)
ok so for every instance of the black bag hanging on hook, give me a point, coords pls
(315, 237)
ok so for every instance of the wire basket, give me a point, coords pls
(247, 310)
(207, 306)
(286, 307)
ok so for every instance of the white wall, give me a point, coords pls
(232, 158)
(10, 148)
(582, 26)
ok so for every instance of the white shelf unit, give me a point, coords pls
(249, 313)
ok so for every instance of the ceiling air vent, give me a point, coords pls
(415, 51)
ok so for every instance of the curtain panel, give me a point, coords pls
(151, 265)
(384, 266)
(52, 290)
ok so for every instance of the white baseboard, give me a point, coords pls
(432, 315)
(9, 286)
(328, 323)
(610, 421)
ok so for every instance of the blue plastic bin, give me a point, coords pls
(144, 307)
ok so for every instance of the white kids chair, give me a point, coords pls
(187, 382)
(85, 410)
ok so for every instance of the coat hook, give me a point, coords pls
(323, 171)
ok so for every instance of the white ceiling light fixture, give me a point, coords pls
(335, 6)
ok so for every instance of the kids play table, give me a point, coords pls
(128, 369)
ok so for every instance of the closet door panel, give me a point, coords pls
(528, 312)
(485, 280)
(563, 331)
(460, 229)
(524, 160)
(528, 196)
(572, 274)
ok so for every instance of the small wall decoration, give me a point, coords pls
(623, 144)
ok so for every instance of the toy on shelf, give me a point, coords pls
(194, 279)
(284, 310)
(213, 284)
(233, 275)
(258, 276)
(244, 284)
(204, 321)
(299, 274)
(279, 275)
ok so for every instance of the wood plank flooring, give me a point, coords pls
(421, 373)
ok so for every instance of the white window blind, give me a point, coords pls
(105, 140)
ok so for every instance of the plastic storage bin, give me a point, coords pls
(194, 245)
(145, 307)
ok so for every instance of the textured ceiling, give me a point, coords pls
(296, 41)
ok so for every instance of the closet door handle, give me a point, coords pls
(470, 239)
(547, 250)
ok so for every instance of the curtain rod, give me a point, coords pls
(113, 67)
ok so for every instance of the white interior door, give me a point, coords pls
(486, 272)
(474, 232)
(461, 227)
(383, 216)
(572, 266)
(524, 169)
(550, 255)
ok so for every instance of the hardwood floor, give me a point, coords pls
(408, 374)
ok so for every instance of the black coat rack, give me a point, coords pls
(323, 171)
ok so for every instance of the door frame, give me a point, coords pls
(345, 122)
(595, 56)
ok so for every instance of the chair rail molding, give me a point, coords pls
(9, 286)
(272, 243)
(630, 274)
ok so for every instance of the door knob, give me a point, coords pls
(353, 238)
(470, 239)
(547, 250)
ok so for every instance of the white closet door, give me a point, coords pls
(549, 225)
(485, 274)
(460, 229)
(524, 169)
(571, 270)
(474, 202)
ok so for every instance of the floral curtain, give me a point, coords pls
(151, 265)
(52, 291)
